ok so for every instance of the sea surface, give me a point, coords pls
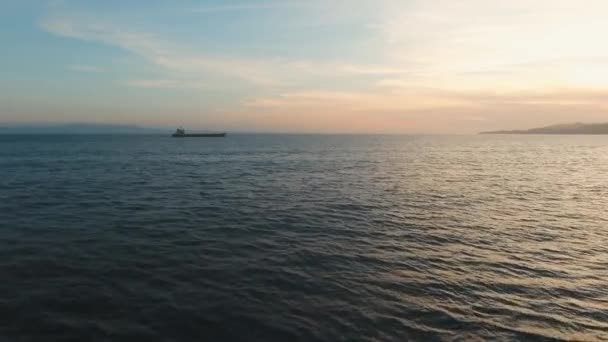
(303, 238)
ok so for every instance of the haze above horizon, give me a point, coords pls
(305, 66)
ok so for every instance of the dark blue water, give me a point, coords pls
(303, 238)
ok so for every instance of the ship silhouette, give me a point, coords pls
(181, 133)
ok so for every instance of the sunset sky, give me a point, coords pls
(406, 66)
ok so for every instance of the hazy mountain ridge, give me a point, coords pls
(573, 128)
(76, 128)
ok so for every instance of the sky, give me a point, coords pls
(356, 66)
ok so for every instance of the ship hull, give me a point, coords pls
(200, 135)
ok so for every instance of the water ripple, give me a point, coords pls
(303, 238)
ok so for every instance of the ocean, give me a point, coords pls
(303, 238)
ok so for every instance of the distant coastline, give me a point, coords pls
(574, 128)
(77, 128)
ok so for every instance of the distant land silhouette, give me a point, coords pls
(76, 128)
(573, 128)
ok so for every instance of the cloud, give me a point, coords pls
(357, 101)
(136, 42)
(428, 110)
(252, 6)
(173, 58)
(153, 49)
(419, 100)
(166, 83)
(478, 45)
(413, 98)
(86, 68)
(477, 33)
(475, 60)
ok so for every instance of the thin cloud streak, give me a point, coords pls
(253, 6)
(86, 68)
(417, 99)
(166, 83)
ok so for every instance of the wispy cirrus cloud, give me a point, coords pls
(161, 53)
(173, 58)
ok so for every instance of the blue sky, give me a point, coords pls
(305, 66)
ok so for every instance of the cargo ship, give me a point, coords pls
(181, 133)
